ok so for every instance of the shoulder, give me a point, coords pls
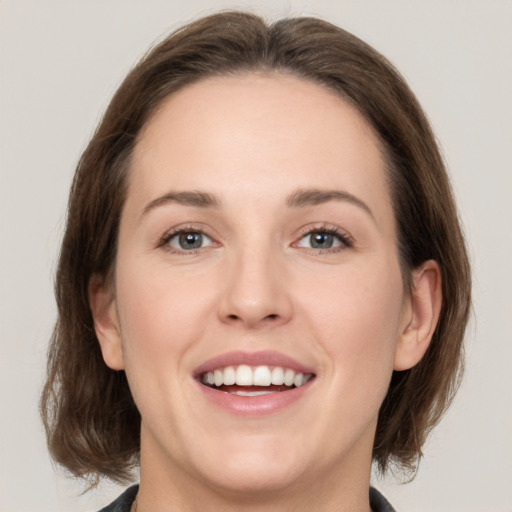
(378, 503)
(124, 502)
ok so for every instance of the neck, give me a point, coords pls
(347, 498)
(164, 486)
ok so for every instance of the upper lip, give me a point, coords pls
(261, 358)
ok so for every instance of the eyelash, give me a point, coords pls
(164, 242)
(344, 238)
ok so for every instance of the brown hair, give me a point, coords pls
(90, 418)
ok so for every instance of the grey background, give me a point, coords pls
(61, 61)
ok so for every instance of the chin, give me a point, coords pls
(258, 466)
(255, 475)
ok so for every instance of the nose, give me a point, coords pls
(256, 290)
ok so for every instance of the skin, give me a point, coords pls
(256, 284)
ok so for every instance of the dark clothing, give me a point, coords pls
(124, 502)
(377, 502)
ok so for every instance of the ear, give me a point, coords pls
(106, 324)
(421, 315)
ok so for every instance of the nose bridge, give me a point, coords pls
(255, 290)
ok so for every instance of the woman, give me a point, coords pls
(263, 285)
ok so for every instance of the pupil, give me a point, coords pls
(321, 240)
(191, 240)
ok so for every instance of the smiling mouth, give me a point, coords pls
(245, 380)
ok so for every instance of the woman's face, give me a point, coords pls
(257, 245)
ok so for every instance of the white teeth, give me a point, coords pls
(278, 376)
(229, 376)
(289, 376)
(298, 379)
(219, 377)
(244, 375)
(262, 375)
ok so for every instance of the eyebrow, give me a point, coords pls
(311, 197)
(186, 198)
(299, 199)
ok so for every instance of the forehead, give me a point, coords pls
(264, 133)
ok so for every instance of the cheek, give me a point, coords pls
(161, 315)
(356, 318)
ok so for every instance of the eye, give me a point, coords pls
(188, 240)
(324, 239)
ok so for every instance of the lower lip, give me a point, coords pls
(254, 405)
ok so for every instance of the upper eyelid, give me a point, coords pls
(164, 241)
(304, 231)
(188, 228)
(344, 237)
(328, 228)
(172, 235)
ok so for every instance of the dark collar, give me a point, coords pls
(377, 502)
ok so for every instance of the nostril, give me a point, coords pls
(270, 317)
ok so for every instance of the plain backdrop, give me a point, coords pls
(60, 63)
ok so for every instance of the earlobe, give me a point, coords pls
(422, 315)
(106, 323)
